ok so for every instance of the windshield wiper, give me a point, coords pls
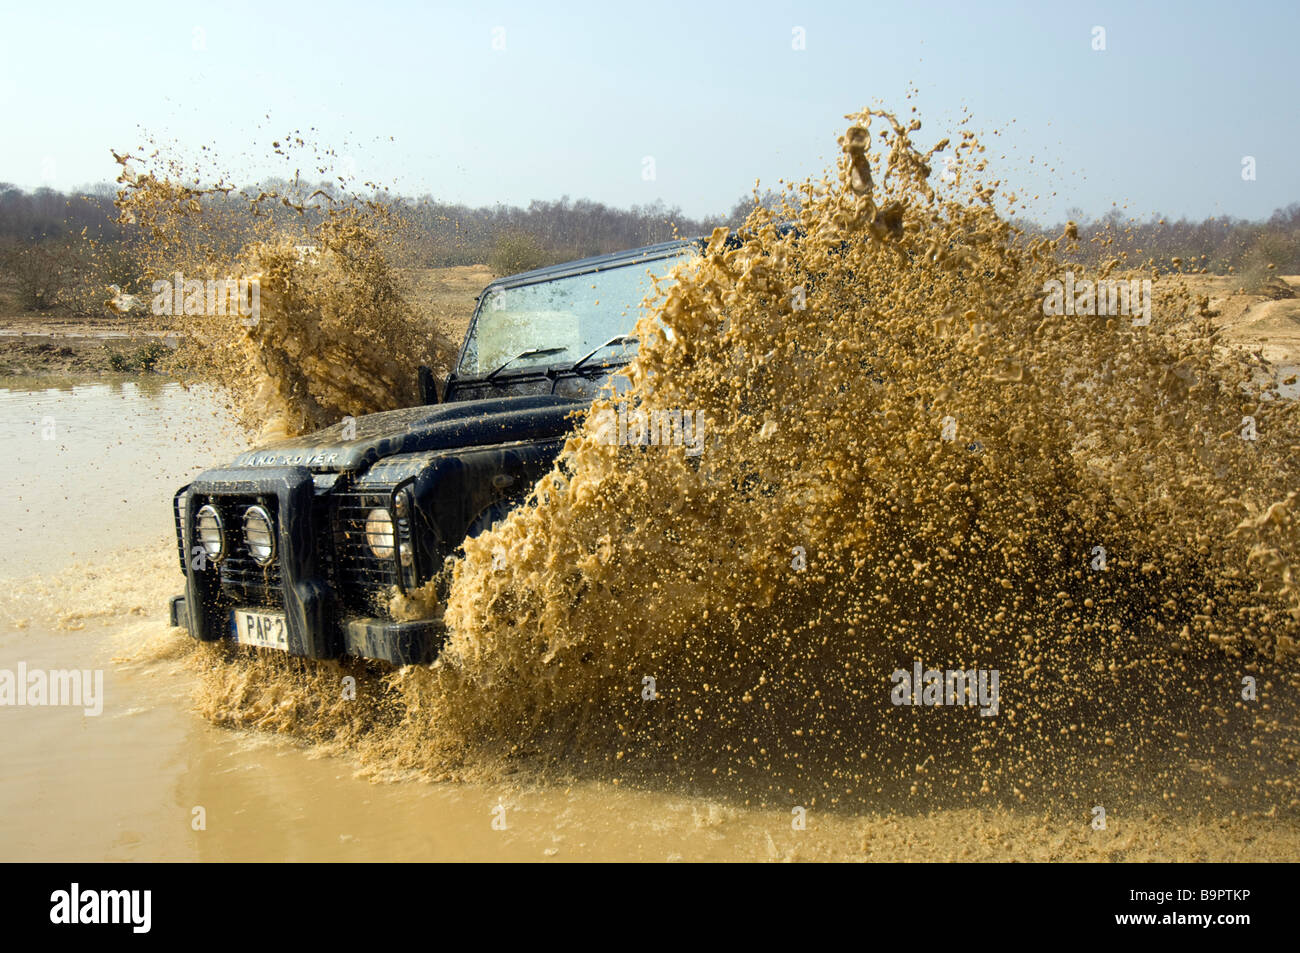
(620, 339)
(531, 352)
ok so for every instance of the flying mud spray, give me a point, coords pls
(332, 332)
(909, 464)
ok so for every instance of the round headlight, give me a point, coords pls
(258, 535)
(379, 533)
(210, 532)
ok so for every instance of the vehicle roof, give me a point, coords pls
(599, 262)
(595, 263)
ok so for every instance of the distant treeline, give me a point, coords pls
(511, 238)
(48, 262)
(1215, 245)
(49, 215)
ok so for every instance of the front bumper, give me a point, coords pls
(398, 643)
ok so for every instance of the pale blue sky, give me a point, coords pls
(713, 91)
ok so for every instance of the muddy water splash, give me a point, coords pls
(908, 462)
(334, 329)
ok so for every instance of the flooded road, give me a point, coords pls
(90, 469)
(87, 565)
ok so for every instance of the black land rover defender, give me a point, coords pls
(297, 546)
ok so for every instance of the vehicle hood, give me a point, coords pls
(470, 423)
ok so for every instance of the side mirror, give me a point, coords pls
(428, 385)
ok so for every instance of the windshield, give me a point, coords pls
(562, 320)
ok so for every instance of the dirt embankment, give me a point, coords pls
(45, 351)
(450, 295)
(1265, 318)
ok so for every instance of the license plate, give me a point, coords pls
(263, 629)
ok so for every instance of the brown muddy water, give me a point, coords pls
(86, 567)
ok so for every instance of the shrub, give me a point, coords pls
(516, 251)
(39, 271)
(140, 360)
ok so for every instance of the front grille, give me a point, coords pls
(361, 581)
(240, 571)
(241, 576)
(362, 578)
